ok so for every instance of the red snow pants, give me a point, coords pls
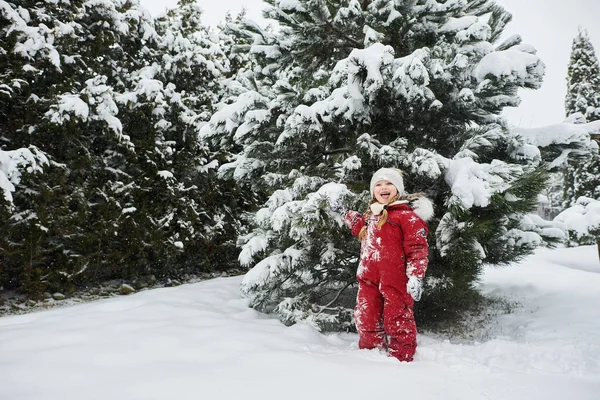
(384, 317)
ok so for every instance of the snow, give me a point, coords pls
(576, 137)
(12, 162)
(290, 5)
(473, 184)
(582, 217)
(512, 64)
(467, 28)
(563, 133)
(411, 76)
(201, 340)
(458, 24)
(68, 104)
(368, 62)
(165, 174)
(271, 52)
(255, 244)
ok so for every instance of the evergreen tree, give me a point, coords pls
(583, 97)
(587, 178)
(236, 43)
(115, 101)
(345, 87)
(32, 68)
(187, 214)
(583, 79)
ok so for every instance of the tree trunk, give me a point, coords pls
(598, 244)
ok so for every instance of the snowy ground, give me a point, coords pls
(200, 341)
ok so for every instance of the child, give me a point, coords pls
(393, 260)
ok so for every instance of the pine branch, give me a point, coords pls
(337, 296)
(336, 151)
(340, 34)
(327, 153)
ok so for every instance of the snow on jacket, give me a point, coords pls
(400, 243)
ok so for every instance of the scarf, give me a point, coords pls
(377, 208)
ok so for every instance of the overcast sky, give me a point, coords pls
(549, 25)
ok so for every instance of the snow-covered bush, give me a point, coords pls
(582, 221)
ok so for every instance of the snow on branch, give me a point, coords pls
(35, 41)
(241, 117)
(362, 70)
(567, 138)
(516, 65)
(582, 220)
(411, 78)
(466, 28)
(13, 162)
(425, 163)
(473, 184)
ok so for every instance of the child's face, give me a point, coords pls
(384, 191)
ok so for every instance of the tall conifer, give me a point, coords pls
(345, 87)
(583, 79)
(583, 96)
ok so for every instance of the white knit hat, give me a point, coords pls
(388, 174)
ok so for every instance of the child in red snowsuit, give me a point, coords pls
(393, 260)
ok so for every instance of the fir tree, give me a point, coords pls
(583, 97)
(32, 67)
(186, 212)
(345, 87)
(583, 79)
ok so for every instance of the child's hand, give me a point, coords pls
(414, 287)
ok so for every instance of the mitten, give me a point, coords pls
(414, 287)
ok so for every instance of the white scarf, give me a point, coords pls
(377, 208)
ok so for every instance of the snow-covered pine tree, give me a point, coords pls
(583, 97)
(579, 177)
(583, 79)
(344, 87)
(185, 213)
(31, 33)
(114, 38)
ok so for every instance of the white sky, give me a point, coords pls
(201, 341)
(549, 25)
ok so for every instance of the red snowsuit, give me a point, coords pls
(388, 255)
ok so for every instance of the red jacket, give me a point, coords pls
(401, 243)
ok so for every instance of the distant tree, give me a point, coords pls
(583, 79)
(342, 88)
(583, 96)
(583, 180)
